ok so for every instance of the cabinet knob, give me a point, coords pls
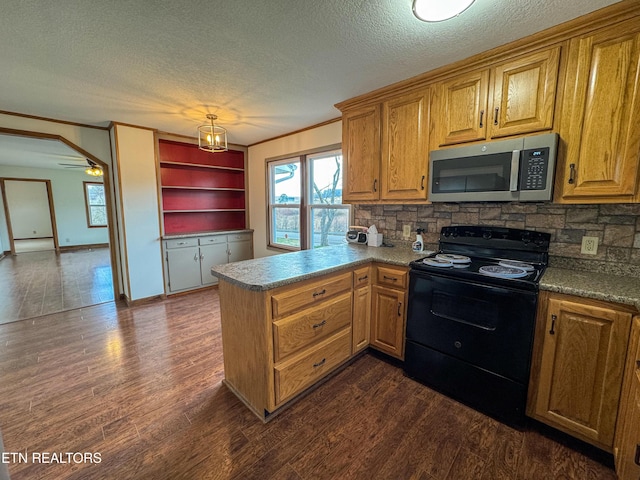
(321, 324)
(321, 292)
(572, 173)
(320, 363)
(553, 324)
(195, 257)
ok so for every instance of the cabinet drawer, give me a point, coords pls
(302, 329)
(309, 294)
(213, 240)
(294, 375)
(361, 277)
(239, 237)
(181, 242)
(391, 277)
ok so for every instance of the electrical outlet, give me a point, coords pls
(589, 245)
(406, 231)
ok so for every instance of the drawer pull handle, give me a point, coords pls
(481, 115)
(553, 324)
(320, 363)
(321, 324)
(422, 183)
(638, 364)
(182, 243)
(637, 457)
(363, 278)
(375, 185)
(393, 279)
(495, 118)
(399, 309)
(572, 173)
(321, 292)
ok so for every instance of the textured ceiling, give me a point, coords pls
(265, 68)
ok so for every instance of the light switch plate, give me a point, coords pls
(406, 231)
(589, 245)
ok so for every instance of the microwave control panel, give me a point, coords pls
(534, 164)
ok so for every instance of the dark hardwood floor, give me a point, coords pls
(142, 387)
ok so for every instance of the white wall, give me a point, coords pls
(325, 135)
(139, 223)
(68, 201)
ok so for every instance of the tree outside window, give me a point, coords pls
(305, 201)
(96, 204)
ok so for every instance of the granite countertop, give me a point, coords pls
(275, 271)
(599, 286)
(204, 234)
(278, 270)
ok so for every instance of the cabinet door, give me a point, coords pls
(361, 318)
(240, 251)
(388, 320)
(461, 104)
(361, 154)
(183, 268)
(405, 147)
(601, 113)
(581, 369)
(524, 94)
(211, 255)
(627, 445)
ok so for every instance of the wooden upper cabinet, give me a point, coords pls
(361, 154)
(601, 113)
(524, 94)
(581, 367)
(405, 147)
(512, 98)
(460, 107)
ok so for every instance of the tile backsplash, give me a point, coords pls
(616, 226)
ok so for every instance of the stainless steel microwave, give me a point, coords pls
(519, 169)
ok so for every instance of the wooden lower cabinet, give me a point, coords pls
(361, 326)
(627, 442)
(388, 310)
(278, 343)
(579, 354)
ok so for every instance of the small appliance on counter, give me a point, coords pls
(357, 234)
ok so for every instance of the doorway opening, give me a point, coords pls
(80, 270)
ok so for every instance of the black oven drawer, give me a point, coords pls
(488, 326)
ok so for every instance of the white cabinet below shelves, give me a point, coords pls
(188, 261)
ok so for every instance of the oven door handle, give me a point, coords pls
(515, 170)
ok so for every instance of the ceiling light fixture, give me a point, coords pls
(439, 10)
(211, 137)
(94, 171)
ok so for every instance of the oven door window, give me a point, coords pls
(486, 173)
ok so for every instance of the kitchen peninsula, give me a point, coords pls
(290, 320)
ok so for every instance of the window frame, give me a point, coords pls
(305, 207)
(87, 205)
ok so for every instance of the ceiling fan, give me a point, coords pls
(91, 168)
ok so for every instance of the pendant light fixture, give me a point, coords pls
(94, 171)
(211, 137)
(439, 10)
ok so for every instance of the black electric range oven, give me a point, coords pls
(471, 316)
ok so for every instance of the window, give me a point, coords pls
(305, 201)
(96, 204)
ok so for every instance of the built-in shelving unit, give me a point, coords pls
(201, 191)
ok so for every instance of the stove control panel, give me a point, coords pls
(498, 237)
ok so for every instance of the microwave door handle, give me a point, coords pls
(515, 170)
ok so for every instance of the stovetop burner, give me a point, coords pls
(492, 255)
